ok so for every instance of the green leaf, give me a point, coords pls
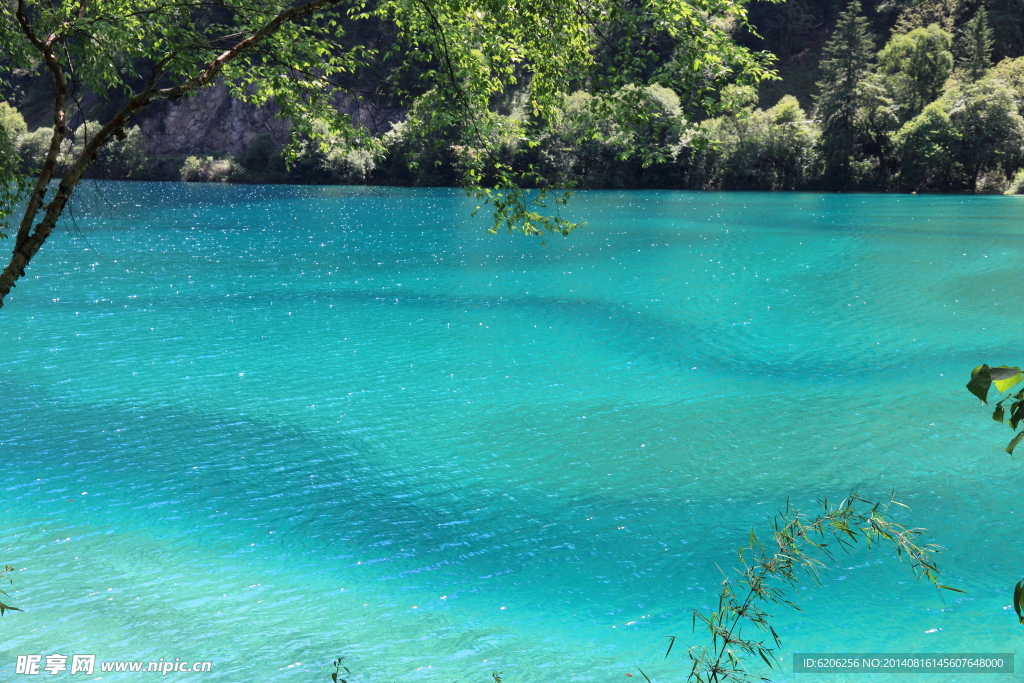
(981, 380)
(950, 588)
(672, 641)
(999, 414)
(983, 377)
(1016, 413)
(1018, 601)
(1013, 443)
(1005, 377)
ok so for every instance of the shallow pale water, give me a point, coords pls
(267, 426)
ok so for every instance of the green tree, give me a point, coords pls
(924, 147)
(12, 128)
(302, 55)
(877, 120)
(261, 160)
(846, 62)
(988, 127)
(971, 130)
(32, 148)
(1011, 72)
(916, 66)
(976, 46)
(588, 142)
(918, 14)
(580, 147)
(1004, 18)
(12, 122)
(122, 157)
(760, 150)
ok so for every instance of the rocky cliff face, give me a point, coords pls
(213, 122)
(210, 122)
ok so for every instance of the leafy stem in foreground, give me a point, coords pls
(3, 576)
(766, 570)
(1003, 377)
(338, 670)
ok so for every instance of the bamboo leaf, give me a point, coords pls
(1018, 601)
(950, 588)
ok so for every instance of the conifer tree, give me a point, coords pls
(977, 45)
(846, 62)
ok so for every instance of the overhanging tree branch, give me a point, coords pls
(29, 241)
(482, 48)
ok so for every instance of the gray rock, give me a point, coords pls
(209, 122)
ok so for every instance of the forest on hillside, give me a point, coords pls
(889, 95)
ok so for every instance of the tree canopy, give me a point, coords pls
(847, 61)
(304, 56)
(917, 65)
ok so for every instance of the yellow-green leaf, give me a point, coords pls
(1003, 383)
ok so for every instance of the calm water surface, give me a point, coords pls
(267, 426)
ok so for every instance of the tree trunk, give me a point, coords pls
(29, 240)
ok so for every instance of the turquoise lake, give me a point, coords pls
(265, 426)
